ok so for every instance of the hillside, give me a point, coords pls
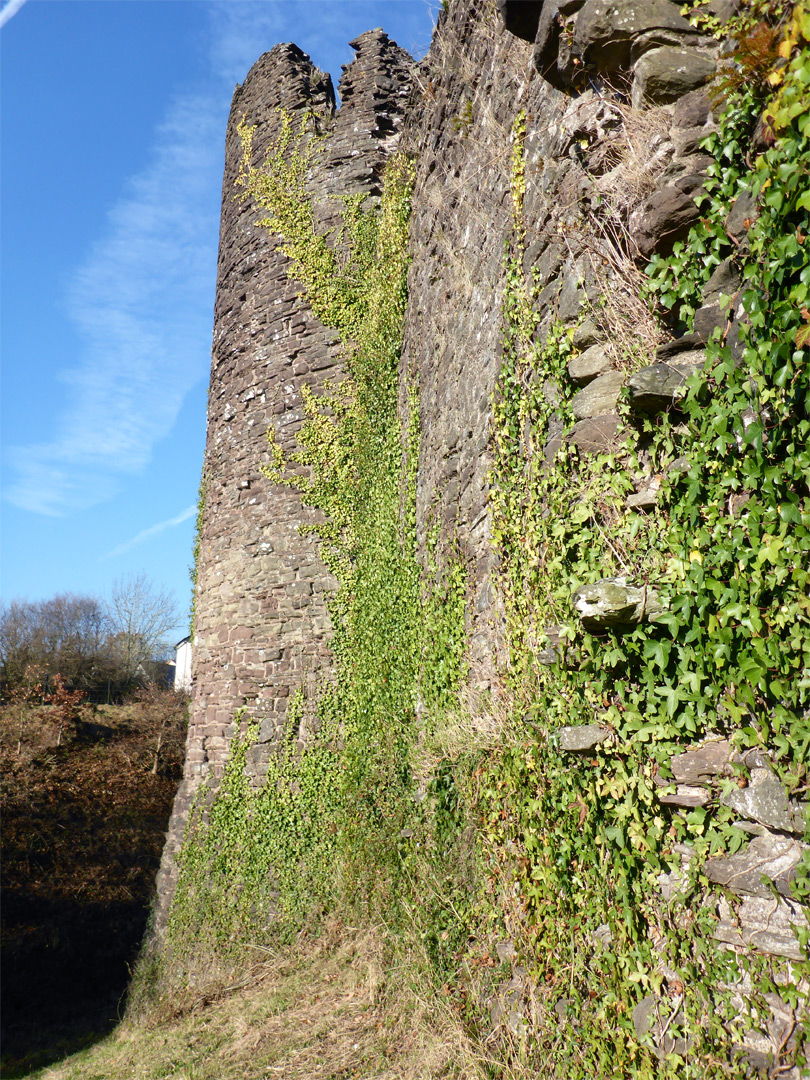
(84, 824)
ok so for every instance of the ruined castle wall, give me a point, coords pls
(473, 83)
(261, 620)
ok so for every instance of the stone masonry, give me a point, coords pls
(261, 621)
(614, 100)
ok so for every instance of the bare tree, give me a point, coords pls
(140, 616)
(66, 634)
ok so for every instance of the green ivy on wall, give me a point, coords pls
(576, 844)
(335, 825)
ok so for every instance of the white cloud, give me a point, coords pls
(10, 9)
(243, 29)
(142, 303)
(153, 530)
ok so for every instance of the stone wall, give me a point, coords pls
(615, 103)
(261, 621)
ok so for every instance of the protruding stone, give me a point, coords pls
(599, 397)
(686, 796)
(646, 499)
(701, 764)
(658, 387)
(606, 30)
(724, 280)
(674, 350)
(577, 739)
(547, 45)
(613, 604)
(770, 856)
(666, 74)
(742, 215)
(666, 216)
(587, 334)
(767, 803)
(765, 925)
(595, 435)
(644, 1015)
(589, 365)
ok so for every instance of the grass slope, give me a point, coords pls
(340, 1006)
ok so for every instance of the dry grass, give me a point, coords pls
(337, 1007)
(633, 155)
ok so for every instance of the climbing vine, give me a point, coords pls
(578, 846)
(335, 824)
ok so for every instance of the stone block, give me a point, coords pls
(597, 434)
(770, 856)
(589, 365)
(665, 217)
(768, 926)
(578, 739)
(606, 30)
(765, 801)
(599, 397)
(660, 386)
(613, 604)
(646, 499)
(663, 75)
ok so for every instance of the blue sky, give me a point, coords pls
(113, 124)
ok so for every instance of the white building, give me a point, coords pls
(182, 664)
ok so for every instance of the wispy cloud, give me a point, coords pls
(142, 304)
(153, 530)
(142, 300)
(9, 10)
(243, 29)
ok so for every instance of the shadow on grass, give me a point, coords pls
(66, 968)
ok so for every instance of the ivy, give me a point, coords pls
(576, 847)
(336, 825)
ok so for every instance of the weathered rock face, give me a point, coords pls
(261, 624)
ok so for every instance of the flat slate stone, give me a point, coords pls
(725, 279)
(683, 795)
(765, 925)
(646, 499)
(589, 365)
(766, 803)
(771, 856)
(672, 349)
(599, 397)
(663, 75)
(658, 387)
(699, 765)
(587, 334)
(613, 604)
(606, 29)
(595, 435)
(582, 737)
(665, 217)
